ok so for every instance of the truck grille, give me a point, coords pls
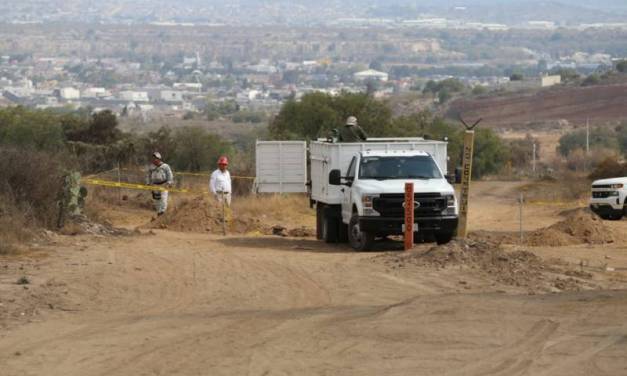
(602, 186)
(601, 194)
(391, 205)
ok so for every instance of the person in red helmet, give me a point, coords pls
(220, 182)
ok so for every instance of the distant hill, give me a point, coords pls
(576, 104)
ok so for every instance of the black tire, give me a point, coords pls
(443, 237)
(330, 229)
(343, 232)
(319, 221)
(605, 216)
(359, 240)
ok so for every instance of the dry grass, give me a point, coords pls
(564, 189)
(15, 229)
(292, 210)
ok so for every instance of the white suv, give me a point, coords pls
(609, 198)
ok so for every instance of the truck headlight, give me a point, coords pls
(616, 186)
(450, 200)
(367, 201)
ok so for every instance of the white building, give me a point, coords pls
(134, 96)
(371, 74)
(69, 93)
(188, 86)
(546, 81)
(94, 92)
(171, 95)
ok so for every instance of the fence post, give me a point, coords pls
(521, 201)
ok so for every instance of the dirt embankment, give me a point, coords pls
(580, 226)
(521, 269)
(575, 104)
(204, 215)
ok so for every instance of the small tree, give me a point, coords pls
(621, 66)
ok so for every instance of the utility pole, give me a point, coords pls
(533, 166)
(585, 168)
(469, 141)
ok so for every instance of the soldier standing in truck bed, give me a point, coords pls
(352, 132)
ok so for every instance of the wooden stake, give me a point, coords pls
(409, 216)
(469, 140)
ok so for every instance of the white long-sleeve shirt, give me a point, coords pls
(220, 182)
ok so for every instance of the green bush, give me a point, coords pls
(25, 128)
(600, 138)
(317, 113)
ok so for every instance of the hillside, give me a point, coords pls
(576, 104)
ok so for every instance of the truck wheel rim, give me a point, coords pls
(356, 232)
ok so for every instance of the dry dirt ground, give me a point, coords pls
(174, 303)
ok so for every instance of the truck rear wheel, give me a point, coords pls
(319, 221)
(330, 229)
(359, 240)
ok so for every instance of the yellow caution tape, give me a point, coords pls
(203, 174)
(114, 184)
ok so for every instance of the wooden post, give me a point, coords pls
(223, 213)
(409, 216)
(469, 140)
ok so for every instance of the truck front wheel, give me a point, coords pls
(443, 237)
(359, 240)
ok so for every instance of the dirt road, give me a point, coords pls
(194, 304)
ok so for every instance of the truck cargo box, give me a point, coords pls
(326, 156)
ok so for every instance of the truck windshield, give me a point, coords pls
(413, 167)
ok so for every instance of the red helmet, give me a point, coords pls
(223, 161)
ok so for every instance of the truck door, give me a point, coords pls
(281, 167)
(347, 196)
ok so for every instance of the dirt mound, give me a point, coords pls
(204, 215)
(580, 226)
(519, 268)
(81, 225)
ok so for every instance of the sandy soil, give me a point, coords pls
(170, 303)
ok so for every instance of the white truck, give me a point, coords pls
(609, 198)
(358, 189)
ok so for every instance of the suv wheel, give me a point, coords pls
(359, 240)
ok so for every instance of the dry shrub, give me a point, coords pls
(609, 168)
(14, 227)
(34, 182)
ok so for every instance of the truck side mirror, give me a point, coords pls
(335, 177)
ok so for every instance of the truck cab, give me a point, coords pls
(373, 196)
(609, 198)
